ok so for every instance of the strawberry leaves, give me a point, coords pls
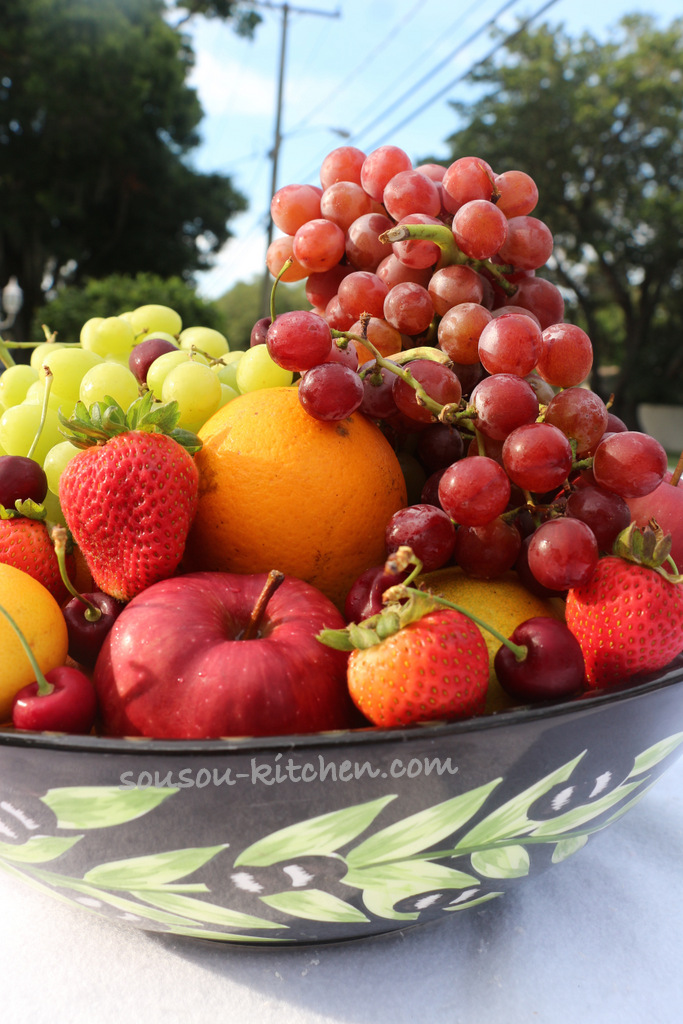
(104, 420)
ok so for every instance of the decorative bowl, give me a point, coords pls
(330, 837)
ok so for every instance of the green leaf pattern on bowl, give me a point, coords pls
(436, 852)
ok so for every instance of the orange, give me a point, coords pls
(503, 603)
(279, 489)
(40, 619)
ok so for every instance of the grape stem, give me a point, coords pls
(676, 476)
(43, 412)
(449, 413)
(5, 355)
(451, 254)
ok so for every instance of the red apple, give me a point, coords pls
(174, 664)
(665, 504)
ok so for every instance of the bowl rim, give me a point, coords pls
(669, 675)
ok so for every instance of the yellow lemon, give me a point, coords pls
(502, 603)
(40, 619)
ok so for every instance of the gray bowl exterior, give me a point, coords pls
(331, 837)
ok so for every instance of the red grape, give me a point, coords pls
(459, 330)
(380, 166)
(409, 308)
(410, 192)
(537, 457)
(318, 245)
(510, 344)
(474, 491)
(480, 229)
(566, 356)
(341, 164)
(330, 391)
(503, 402)
(517, 193)
(298, 340)
(452, 285)
(563, 553)
(528, 245)
(629, 463)
(439, 382)
(487, 551)
(427, 530)
(293, 205)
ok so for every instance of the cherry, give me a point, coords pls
(21, 479)
(89, 617)
(61, 700)
(549, 666)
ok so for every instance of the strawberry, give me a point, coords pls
(628, 618)
(129, 497)
(26, 544)
(413, 662)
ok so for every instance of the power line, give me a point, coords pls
(437, 67)
(362, 64)
(437, 96)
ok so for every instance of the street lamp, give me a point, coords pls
(12, 301)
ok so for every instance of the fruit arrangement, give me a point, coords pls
(403, 504)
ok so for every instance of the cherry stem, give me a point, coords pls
(520, 651)
(43, 412)
(273, 581)
(44, 687)
(677, 472)
(92, 612)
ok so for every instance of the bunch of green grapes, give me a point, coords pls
(121, 357)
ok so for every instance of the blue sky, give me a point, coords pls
(379, 71)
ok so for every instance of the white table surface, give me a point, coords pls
(596, 939)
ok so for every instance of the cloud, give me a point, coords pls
(226, 85)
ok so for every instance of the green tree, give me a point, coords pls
(96, 124)
(599, 126)
(113, 295)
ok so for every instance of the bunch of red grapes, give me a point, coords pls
(429, 318)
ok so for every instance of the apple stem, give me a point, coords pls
(273, 581)
(44, 687)
(92, 612)
(677, 472)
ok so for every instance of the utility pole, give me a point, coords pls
(286, 9)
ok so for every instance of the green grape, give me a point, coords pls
(113, 338)
(163, 364)
(89, 329)
(15, 382)
(109, 379)
(19, 426)
(69, 366)
(40, 351)
(256, 370)
(55, 461)
(53, 509)
(195, 388)
(151, 317)
(157, 334)
(226, 369)
(227, 395)
(204, 339)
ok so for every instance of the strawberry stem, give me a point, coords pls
(44, 687)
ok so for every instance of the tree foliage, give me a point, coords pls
(111, 296)
(96, 125)
(599, 126)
